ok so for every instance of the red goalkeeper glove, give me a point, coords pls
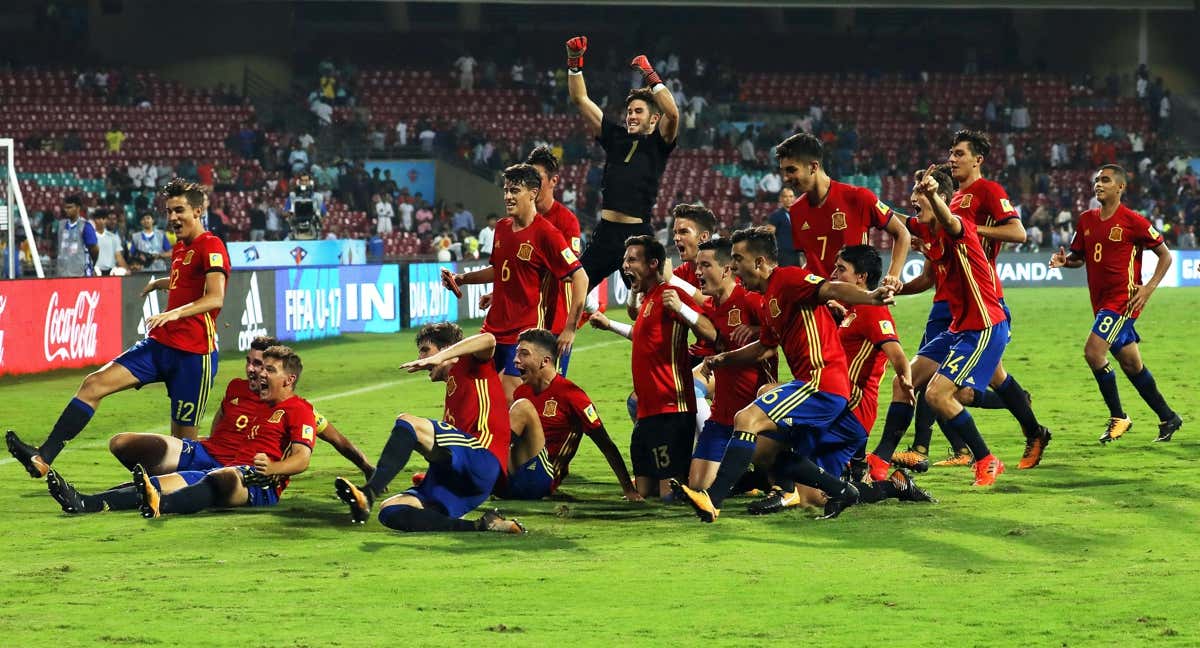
(642, 64)
(575, 49)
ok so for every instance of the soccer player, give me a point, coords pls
(181, 347)
(692, 226)
(810, 414)
(526, 249)
(556, 296)
(829, 215)
(636, 153)
(662, 439)
(566, 413)
(1109, 241)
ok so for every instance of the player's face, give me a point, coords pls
(254, 367)
(687, 238)
(530, 361)
(634, 264)
(1107, 185)
(439, 373)
(186, 221)
(639, 120)
(845, 271)
(963, 163)
(710, 273)
(801, 176)
(745, 265)
(549, 184)
(518, 199)
(275, 381)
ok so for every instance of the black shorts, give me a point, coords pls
(661, 446)
(606, 248)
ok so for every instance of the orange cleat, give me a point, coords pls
(877, 468)
(987, 470)
(1034, 447)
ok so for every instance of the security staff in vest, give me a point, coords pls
(78, 246)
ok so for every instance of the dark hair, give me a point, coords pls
(101, 213)
(653, 250)
(976, 141)
(190, 191)
(73, 199)
(263, 342)
(440, 334)
(542, 156)
(645, 94)
(699, 214)
(1117, 170)
(289, 358)
(759, 241)
(805, 147)
(523, 175)
(866, 260)
(722, 249)
(945, 182)
(543, 339)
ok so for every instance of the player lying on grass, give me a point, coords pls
(244, 463)
(1109, 241)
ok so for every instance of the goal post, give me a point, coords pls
(14, 206)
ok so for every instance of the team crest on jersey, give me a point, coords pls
(774, 306)
(734, 318)
(234, 402)
(886, 327)
(525, 252)
(451, 385)
(307, 433)
(569, 256)
(1114, 234)
(550, 408)
(839, 220)
(805, 226)
(276, 416)
(187, 258)
(647, 308)
(849, 319)
(965, 202)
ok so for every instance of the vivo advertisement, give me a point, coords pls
(428, 301)
(308, 303)
(414, 175)
(296, 254)
(371, 296)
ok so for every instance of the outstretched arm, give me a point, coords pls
(847, 293)
(482, 346)
(600, 321)
(346, 448)
(592, 115)
(611, 454)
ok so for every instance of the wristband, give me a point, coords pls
(689, 314)
(657, 87)
(574, 71)
(620, 328)
(682, 284)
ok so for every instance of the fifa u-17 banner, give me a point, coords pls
(48, 324)
(296, 254)
(314, 303)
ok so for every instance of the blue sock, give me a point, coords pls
(74, 418)
(735, 464)
(1148, 388)
(964, 426)
(899, 415)
(1106, 379)
(392, 460)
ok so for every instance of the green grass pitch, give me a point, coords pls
(1097, 546)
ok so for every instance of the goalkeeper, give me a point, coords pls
(636, 156)
(247, 461)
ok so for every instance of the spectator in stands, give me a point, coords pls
(1164, 113)
(487, 237)
(748, 183)
(463, 219)
(137, 172)
(1187, 238)
(404, 207)
(72, 142)
(746, 147)
(114, 138)
(323, 111)
(1033, 238)
(206, 174)
(305, 207)
(1020, 118)
(383, 215)
(569, 196)
(77, 242)
(258, 220)
(770, 185)
(298, 160)
(401, 133)
(377, 139)
(424, 215)
(427, 138)
(149, 249)
(223, 177)
(465, 70)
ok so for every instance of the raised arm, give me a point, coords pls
(901, 240)
(592, 115)
(668, 126)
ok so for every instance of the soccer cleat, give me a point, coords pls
(987, 470)
(835, 505)
(496, 523)
(877, 468)
(417, 478)
(26, 455)
(1034, 447)
(911, 459)
(64, 493)
(1167, 429)
(956, 459)
(149, 499)
(699, 500)
(360, 506)
(776, 501)
(909, 491)
(1117, 427)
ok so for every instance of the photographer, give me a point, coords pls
(305, 208)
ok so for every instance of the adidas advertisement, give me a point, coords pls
(249, 310)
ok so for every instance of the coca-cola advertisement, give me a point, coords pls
(58, 323)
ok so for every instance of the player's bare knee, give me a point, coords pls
(965, 395)
(751, 419)
(1131, 365)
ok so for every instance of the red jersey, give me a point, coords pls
(521, 260)
(795, 316)
(863, 332)
(190, 265)
(986, 204)
(687, 272)
(965, 272)
(844, 218)
(567, 413)
(941, 292)
(475, 404)
(662, 378)
(556, 295)
(737, 385)
(1112, 252)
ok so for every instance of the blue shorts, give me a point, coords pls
(815, 424)
(259, 495)
(713, 439)
(939, 321)
(972, 356)
(533, 480)
(189, 376)
(462, 482)
(505, 358)
(1115, 329)
(564, 361)
(194, 457)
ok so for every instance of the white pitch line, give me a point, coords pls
(327, 397)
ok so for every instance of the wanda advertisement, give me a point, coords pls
(57, 323)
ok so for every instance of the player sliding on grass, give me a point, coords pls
(636, 156)
(1109, 241)
(181, 347)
